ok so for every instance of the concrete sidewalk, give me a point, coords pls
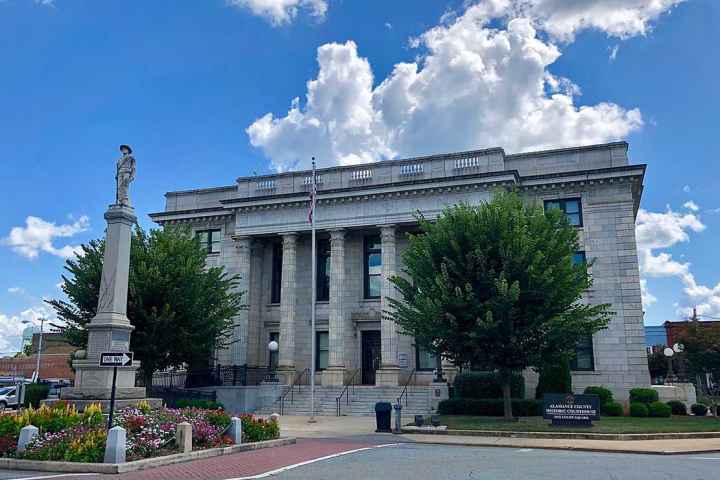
(335, 427)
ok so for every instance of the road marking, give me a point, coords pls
(55, 476)
(705, 458)
(525, 450)
(308, 462)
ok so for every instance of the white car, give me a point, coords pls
(8, 397)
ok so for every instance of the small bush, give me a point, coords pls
(611, 409)
(602, 392)
(638, 409)
(489, 407)
(554, 379)
(677, 407)
(197, 403)
(659, 409)
(699, 409)
(34, 393)
(486, 385)
(644, 395)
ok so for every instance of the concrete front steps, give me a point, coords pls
(361, 402)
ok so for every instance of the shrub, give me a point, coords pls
(602, 392)
(486, 385)
(677, 407)
(611, 409)
(659, 409)
(218, 418)
(198, 403)
(78, 444)
(698, 409)
(490, 407)
(554, 379)
(638, 409)
(34, 393)
(643, 395)
(258, 429)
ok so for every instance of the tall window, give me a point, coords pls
(424, 360)
(322, 350)
(209, 240)
(273, 358)
(323, 270)
(570, 206)
(373, 267)
(579, 258)
(584, 359)
(276, 280)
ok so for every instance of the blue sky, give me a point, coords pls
(203, 91)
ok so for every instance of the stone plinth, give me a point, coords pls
(684, 392)
(439, 391)
(387, 377)
(333, 376)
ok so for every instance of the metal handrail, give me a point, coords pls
(345, 391)
(404, 392)
(296, 381)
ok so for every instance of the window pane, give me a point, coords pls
(374, 264)
(374, 286)
(574, 218)
(426, 360)
(578, 258)
(322, 360)
(572, 206)
(323, 341)
(584, 360)
(202, 238)
(551, 205)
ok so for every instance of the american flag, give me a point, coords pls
(313, 194)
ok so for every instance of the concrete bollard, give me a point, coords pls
(235, 431)
(183, 437)
(116, 445)
(26, 436)
(275, 418)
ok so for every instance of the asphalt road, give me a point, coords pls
(416, 462)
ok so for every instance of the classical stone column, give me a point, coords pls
(389, 373)
(254, 344)
(238, 347)
(286, 360)
(335, 373)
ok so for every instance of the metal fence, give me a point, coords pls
(219, 376)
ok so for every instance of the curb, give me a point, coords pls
(571, 448)
(112, 468)
(564, 435)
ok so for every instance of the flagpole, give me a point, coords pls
(314, 295)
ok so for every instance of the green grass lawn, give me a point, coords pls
(605, 425)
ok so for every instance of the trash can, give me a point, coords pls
(382, 416)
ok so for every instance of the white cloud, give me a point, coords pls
(281, 12)
(690, 205)
(687, 189)
(647, 297)
(476, 87)
(12, 326)
(16, 290)
(38, 235)
(663, 230)
(613, 52)
(388, 25)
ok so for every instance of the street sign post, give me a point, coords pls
(115, 360)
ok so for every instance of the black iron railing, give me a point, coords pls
(291, 391)
(404, 392)
(346, 392)
(219, 376)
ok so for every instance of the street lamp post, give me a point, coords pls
(669, 352)
(272, 348)
(40, 345)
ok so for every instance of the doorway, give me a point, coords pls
(370, 355)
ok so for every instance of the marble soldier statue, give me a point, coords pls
(125, 175)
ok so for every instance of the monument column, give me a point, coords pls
(238, 347)
(389, 373)
(335, 373)
(255, 293)
(286, 357)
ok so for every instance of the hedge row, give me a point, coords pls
(489, 407)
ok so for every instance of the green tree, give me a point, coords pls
(181, 309)
(495, 284)
(702, 348)
(657, 362)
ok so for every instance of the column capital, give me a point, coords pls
(387, 232)
(289, 237)
(337, 234)
(244, 240)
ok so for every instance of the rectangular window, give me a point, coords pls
(209, 240)
(584, 359)
(322, 350)
(323, 270)
(276, 279)
(424, 360)
(571, 207)
(579, 258)
(373, 267)
(273, 357)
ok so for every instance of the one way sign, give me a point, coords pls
(116, 359)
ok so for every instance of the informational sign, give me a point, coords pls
(571, 410)
(403, 359)
(116, 359)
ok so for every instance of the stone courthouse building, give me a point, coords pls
(258, 228)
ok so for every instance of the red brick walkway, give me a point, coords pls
(247, 463)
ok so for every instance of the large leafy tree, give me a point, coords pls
(702, 348)
(181, 309)
(495, 284)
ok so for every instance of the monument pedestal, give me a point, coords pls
(110, 329)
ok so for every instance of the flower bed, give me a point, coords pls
(66, 435)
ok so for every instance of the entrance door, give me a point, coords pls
(370, 355)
